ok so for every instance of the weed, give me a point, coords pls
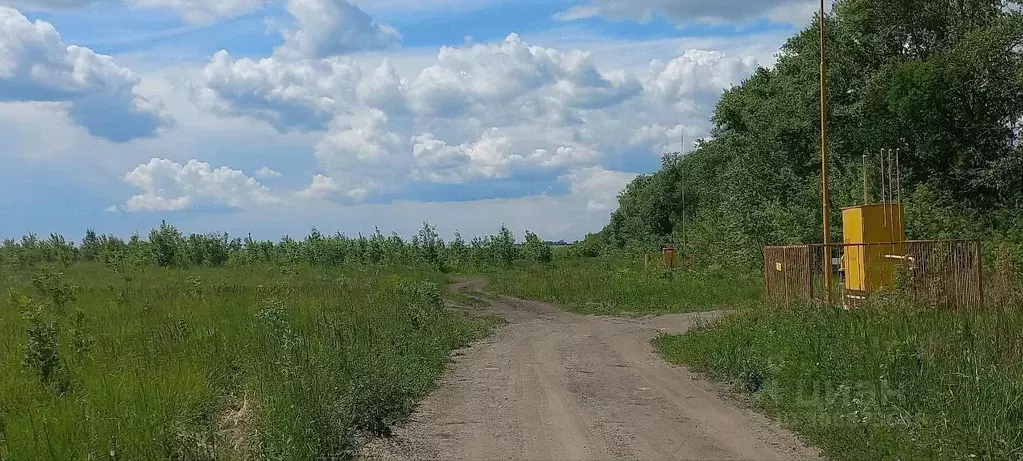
(606, 286)
(889, 382)
(42, 351)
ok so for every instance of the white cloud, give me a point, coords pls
(479, 112)
(204, 11)
(697, 75)
(384, 89)
(325, 187)
(331, 28)
(287, 94)
(36, 65)
(478, 77)
(363, 148)
(195, 11)
(796, 12)
(267, 173)
(492, 156)
(171, 186)
(598, 186)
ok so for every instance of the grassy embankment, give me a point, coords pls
(612, 286)
(225, 363)
(895, 381)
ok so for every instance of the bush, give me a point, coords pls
(536, 250)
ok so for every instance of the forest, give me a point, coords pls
(941, 81)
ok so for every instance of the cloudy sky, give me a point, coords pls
(274, 116)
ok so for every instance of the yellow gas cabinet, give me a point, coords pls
(875, 243)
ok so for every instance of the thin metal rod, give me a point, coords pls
(681, 150)
(866, 188)
(898, 185)
(884, 196)
(891, 193)
(824, 159)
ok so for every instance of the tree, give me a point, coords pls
(942, 80)
(536, 250)
(166, 242)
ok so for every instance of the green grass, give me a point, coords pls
(897, 383)
(464, 300)
(610, 287)
(229, 363)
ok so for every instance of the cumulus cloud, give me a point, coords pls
(36, 65)
(492, 156)
(598, 186)
(697, 74)
(287, 94)
(366, 148)
(324, 187)
(267, 173)
(480, 77)
(171, 186)
(196, 11)
(332, 28)
(480, 112)
(689, 11)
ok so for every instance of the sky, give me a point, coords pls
(271, 117)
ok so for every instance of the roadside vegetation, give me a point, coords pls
(613, 286)
(942, 81)
(205, 347)
(892, 381)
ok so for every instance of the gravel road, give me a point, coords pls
(553, 385)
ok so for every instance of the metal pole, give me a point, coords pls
(898, 186)
(824, 160)
(681, 150)
(884, 195)
(866, 188)
(891, 194)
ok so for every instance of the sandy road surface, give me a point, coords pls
(553, 385)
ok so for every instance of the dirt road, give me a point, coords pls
(553, 385)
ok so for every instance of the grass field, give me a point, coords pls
(613, 286)
(898, 383)
(216, 363)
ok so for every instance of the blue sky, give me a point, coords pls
(274, 116)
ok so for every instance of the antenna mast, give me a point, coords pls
(828, 268)
(681, 150)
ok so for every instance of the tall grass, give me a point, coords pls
(218, 363)
(889, 382)
(606, 286)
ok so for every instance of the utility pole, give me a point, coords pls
(681, 151)
(824, 160)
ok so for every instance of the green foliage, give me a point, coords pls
(168, 247)
(605, 286)
(52, 285)
(536, 250)
(879, 383)
(940, 80)
(167, 244)
(219, 363)
(42, 348)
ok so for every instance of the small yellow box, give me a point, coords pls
(874, 237)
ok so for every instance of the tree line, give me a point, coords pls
(166, 246)
(939, 80)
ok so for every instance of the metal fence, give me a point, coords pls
(940, 273)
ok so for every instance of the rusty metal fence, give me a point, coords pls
(940, 273)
